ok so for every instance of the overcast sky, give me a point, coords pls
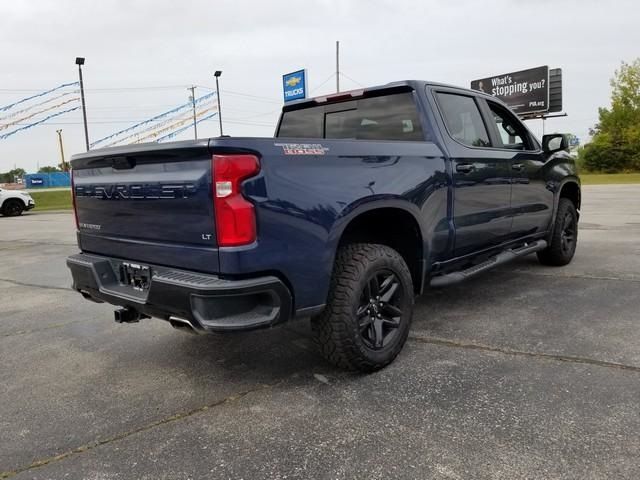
(141, 55)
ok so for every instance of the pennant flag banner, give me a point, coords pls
(33, 114)
(173, 134)
(26, 127)
(39, 104)
(7, 107)
(153, 119)
(174, 125)
(148, 129)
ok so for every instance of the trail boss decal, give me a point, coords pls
(302, 148)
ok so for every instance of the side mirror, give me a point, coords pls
(555, 142)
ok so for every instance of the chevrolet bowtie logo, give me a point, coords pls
(293, 81)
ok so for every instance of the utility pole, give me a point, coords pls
(217, 75)
(80, 62)
(63, 163)
(337, 65)
(193, 102)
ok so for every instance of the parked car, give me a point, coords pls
(14, 202)
(362, 201)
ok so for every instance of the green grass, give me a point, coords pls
(609, 178)
(61, 199)
(56, 200)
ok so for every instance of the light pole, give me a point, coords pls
(337, 65)
(193, 103)
(217, 75)
(80, 62)
(64, 164)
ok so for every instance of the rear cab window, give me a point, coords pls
(386, 117)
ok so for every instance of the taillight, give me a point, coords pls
(235, 216)
(73, 200)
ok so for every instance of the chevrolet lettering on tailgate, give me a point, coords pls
(136, 191)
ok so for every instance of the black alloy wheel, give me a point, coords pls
(366, 320)
(380, 310)
(564, 239)
(568, 234)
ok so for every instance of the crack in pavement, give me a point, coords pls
(583, 277)
(443, 342)
(120, 436)
(261, 387)
(35, 285)
(38, 330)
(19, 241)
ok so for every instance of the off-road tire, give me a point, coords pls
(337, 329)
(12, 207)
(560, 251)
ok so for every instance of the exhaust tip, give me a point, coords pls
(183, 325)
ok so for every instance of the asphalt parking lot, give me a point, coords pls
(527, 372)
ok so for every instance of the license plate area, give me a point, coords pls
(135, 276)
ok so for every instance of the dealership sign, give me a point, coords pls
(294, 85)
(526, 91)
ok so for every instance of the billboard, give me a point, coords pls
(526, 91)
(555, 90)
(294, 85)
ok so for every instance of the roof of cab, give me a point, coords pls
(413, 84)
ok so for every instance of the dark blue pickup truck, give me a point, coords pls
(362, 201)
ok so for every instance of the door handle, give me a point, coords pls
(518, 166)
(465, 168)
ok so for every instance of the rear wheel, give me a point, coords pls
(565, 236)
(366, 321)
(12, 208)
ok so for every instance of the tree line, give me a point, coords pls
(615, 143)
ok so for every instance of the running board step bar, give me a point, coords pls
(500, 259)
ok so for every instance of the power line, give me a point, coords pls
(246, 95)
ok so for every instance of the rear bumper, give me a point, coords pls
(207, 302)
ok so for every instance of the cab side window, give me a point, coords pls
(512, 133)
(463, 120)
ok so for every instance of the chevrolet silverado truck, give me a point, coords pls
(361, 202)
(14, 202)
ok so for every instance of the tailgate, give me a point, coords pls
(148, 202)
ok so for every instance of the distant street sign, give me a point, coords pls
(294, 85)
(526, 91)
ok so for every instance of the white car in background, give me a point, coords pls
(14, 202)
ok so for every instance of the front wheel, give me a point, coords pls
(565, 236)
(12, 208)
(368, 314)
